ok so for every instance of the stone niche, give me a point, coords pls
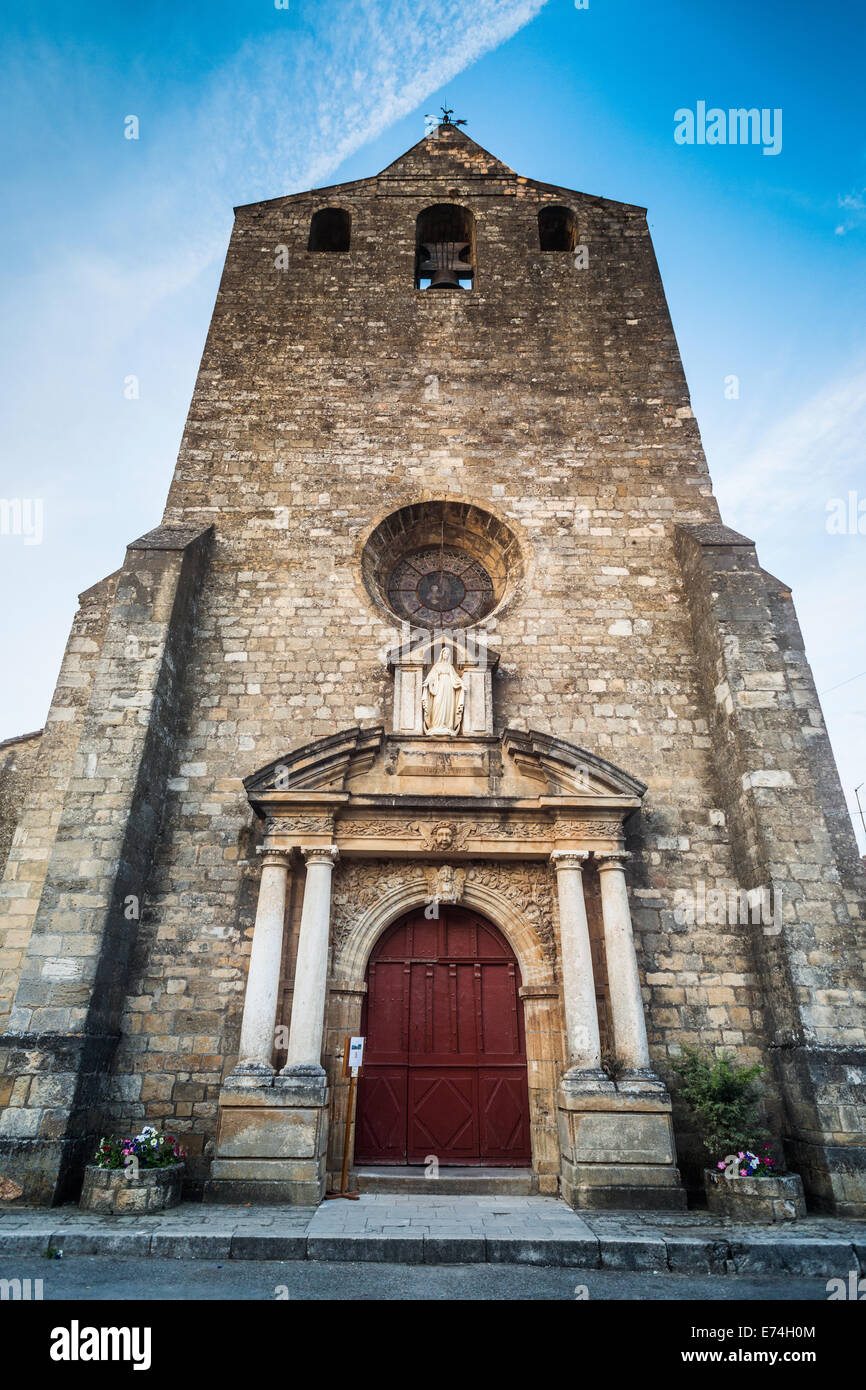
(475, 663)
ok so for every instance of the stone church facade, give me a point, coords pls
(442, 707)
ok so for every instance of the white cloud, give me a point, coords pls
(804, 459)
(297, 107)
(280, 116)
(854, 205)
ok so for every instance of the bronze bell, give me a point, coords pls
(443, 262)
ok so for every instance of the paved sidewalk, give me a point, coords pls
(408, 1229)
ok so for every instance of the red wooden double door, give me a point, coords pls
(445, 1061)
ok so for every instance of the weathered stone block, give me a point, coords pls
(770, 1198)
(115, 1190)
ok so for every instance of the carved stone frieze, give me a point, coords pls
(445, 834)
(428, 835)
(381, 829)
(528, 888)
(588, 829)
(299, 825)
(510, 830)
(359, 885)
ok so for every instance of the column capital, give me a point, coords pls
(273, 855)
(612, 859)
(320, 854)
(569, 858)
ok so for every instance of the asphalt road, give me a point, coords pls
(86, 1278)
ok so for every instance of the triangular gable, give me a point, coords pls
(441, 157)
(435, 154)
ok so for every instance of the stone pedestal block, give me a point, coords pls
(271, 1141)
(617, 1144)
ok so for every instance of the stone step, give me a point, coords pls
(451, 1182)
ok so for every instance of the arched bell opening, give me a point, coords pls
(330, 231)
(445, 248)
(557, 229)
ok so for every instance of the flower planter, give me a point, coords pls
(774, 1197)
(113, 1189)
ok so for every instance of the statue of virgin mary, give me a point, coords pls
(442, 697)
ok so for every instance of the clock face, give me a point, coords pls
(440, 587)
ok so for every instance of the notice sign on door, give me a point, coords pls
(354, 1055)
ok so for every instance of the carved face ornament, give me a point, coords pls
(443, 835)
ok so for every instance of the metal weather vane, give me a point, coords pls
(447, 113)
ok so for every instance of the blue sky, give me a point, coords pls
(112, 249)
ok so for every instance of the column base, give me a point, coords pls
(271, 1140)
(588, 1081)
(617, 1143)
(305, 1075)
(235, 1181)
(260, 1069)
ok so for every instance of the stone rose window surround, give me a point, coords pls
(441, 563)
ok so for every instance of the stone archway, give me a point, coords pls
(370, 898)
(444, 1071)
(378, 824)
(396, 888)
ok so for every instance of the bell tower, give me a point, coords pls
(441, 610)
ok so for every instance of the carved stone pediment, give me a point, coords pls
(522, 763)
(518, 796)
(469, 647)
(322, 765)
(563, 768)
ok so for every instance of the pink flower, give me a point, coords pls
(721, 1164)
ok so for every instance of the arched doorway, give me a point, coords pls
(445, 1065)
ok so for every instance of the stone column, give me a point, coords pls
(626, 1004)
(578, 984)
(311, 969)
(615, 1138)
(263, 979)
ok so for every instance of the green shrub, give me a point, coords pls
(723, 1098)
